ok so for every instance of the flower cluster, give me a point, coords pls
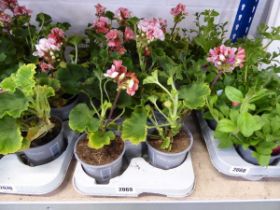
(13, 7)
(179, 10)
(100, 10)
(123, 14)
(125, 80)
(114, 37)
(101, 25)
(47, 47)
(152, 28)
(226, 59)
(115, 40)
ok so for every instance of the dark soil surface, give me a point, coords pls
(180, 143)
(102, 156)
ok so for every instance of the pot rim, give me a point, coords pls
(187, 131)
(50, 142)
(82, 136)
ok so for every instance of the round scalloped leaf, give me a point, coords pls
(195, 95)
(12, 104)
(134, 128)
(10, 136)
(99, 139)
(23, 80)
(81, 119)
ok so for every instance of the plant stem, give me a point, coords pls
(105, 90)
(246, 74)
(159, 125)
(173, 29)
(268, 44)
(114, 105)
(92, 105)
(216, 79)
(76, 54)
(162, 87)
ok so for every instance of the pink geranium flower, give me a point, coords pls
(46, 67)
(8, 4)
(125, 80)
(226, 58)
(114, 41)
(101, 25)
(100, 10)
(117, 71)
(128, 34)
(21, 10)
(152, 29)
(132, 83)
(5, 19)
(45, 46)
(180, 9)
(163, 24)
(123, 13)
(58, 35)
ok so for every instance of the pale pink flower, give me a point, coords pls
(132, 83)
(100, 10)
(57, 34)
(46, 67)
(21, 10)
(101, 25)
(45, 46)
(151, 28)
(128, 34)
(240, 57)
(180, 9)
(226, 58)
(123, 13)
(5, 19)
(117, 71)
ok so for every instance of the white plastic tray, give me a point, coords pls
(140, 177)
(18, 178)
(229, 162)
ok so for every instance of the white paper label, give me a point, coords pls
(125, 190)
(7, 188)
(239, 170)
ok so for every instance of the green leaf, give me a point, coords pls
(195, 95)
(43, 19)
(226, 126)
(234, 94)
(225, 139)
(23, 79)
(248, 123)
(263, 160)
(134, 128)
(99, 139)
(75, 40)
(10, 136)
(3, 56)
(152, 79)
(81, 119)
(12, 104)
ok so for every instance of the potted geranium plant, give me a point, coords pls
(170, 140)
(248, 99)
(100, 148)
(26, 123)
(65, 77)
